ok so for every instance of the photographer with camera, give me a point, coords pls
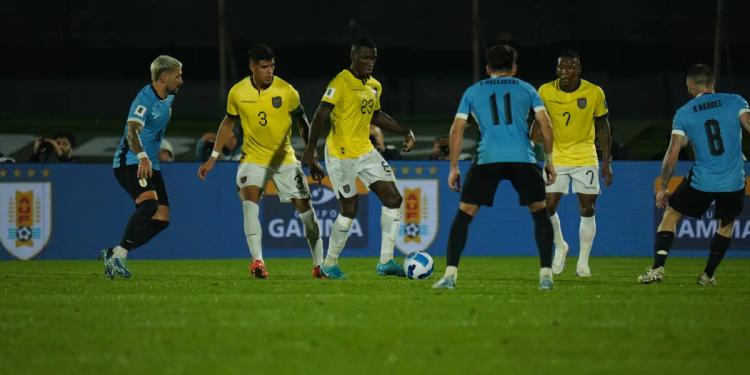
(231, 151)
(60, 146)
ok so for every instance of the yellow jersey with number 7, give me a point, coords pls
(572, 115)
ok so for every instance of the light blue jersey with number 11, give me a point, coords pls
(712, 124)
(501, 107)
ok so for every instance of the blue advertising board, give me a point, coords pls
(70, 211)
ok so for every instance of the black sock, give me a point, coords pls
(457, 237)
(663, 243)
(719, 246)
(544, 236)
(138, 220)
(148, 231)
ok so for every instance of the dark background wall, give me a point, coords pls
(87, 58)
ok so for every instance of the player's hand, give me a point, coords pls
(662, 198)
(144, 169)
(409, 141)
(607, 173)
(311, 162)
(454, 180)
(206, 167)
(549, 171)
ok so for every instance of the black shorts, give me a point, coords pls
(482, 181)
(692, 202)
(127, 177)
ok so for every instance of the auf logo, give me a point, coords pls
(321, 194)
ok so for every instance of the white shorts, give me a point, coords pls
(585, 180)
(289, 179)
(370, 168)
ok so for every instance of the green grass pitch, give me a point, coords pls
(208, 317)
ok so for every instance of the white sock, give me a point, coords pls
(451, 271)
(390, 223)
(558, 232)
(312, 234)
(586, 233)
(339, 234)
(253, 232)
(545, 271)
(120, 252)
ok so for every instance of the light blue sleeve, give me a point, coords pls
(464, 107)
(139, 110)
(536, 101)
(677, 125)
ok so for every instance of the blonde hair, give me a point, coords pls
(162, 64)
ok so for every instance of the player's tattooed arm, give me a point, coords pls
(604, 134)
(386, 122)
(667, 168)
(134, 137)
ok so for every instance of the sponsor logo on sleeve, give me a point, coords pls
(140, 111)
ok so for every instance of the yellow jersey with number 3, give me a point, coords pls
(572, 115)
(266, 117)
(354, 101)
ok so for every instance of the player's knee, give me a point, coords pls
(148, 208)
(540, 206)
(587, 211)
(349, 212)
(393, 201)
(669, 220)
(725, 227)
(161, 225)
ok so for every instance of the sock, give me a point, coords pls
(253, 232)
(390, 223)
(662, 244)
(148, 231)
(559, 241)
(586, 233)
(312, 234)
(543, 234)
(719, 246)
(339, 234)
(120, 252)
(457, 237)
(451, 271)
(143, 213)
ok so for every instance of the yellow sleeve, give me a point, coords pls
(231, 105)
(333, 92)
(601, 104)
(378, 93)
(293, 99)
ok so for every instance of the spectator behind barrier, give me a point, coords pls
(441, 150)
(60, 146)
(166, 153)
(232, 150)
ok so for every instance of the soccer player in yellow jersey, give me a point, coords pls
(352, 102)
(578, 111)
(267, 106)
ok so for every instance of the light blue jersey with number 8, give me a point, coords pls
(711, 122)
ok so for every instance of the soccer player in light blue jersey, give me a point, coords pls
(500, 106)
(713, 123)
(136, 162)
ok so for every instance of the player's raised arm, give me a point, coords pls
(134, 142)
(604, 135)
(667, 168)
(455, 140)
(222, 136)
(322, 116)
(545, 129)
(384, 121)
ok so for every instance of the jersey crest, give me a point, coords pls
(581, 103)
(276, 101)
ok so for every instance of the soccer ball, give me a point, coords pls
(418, 265)
(23, 233)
